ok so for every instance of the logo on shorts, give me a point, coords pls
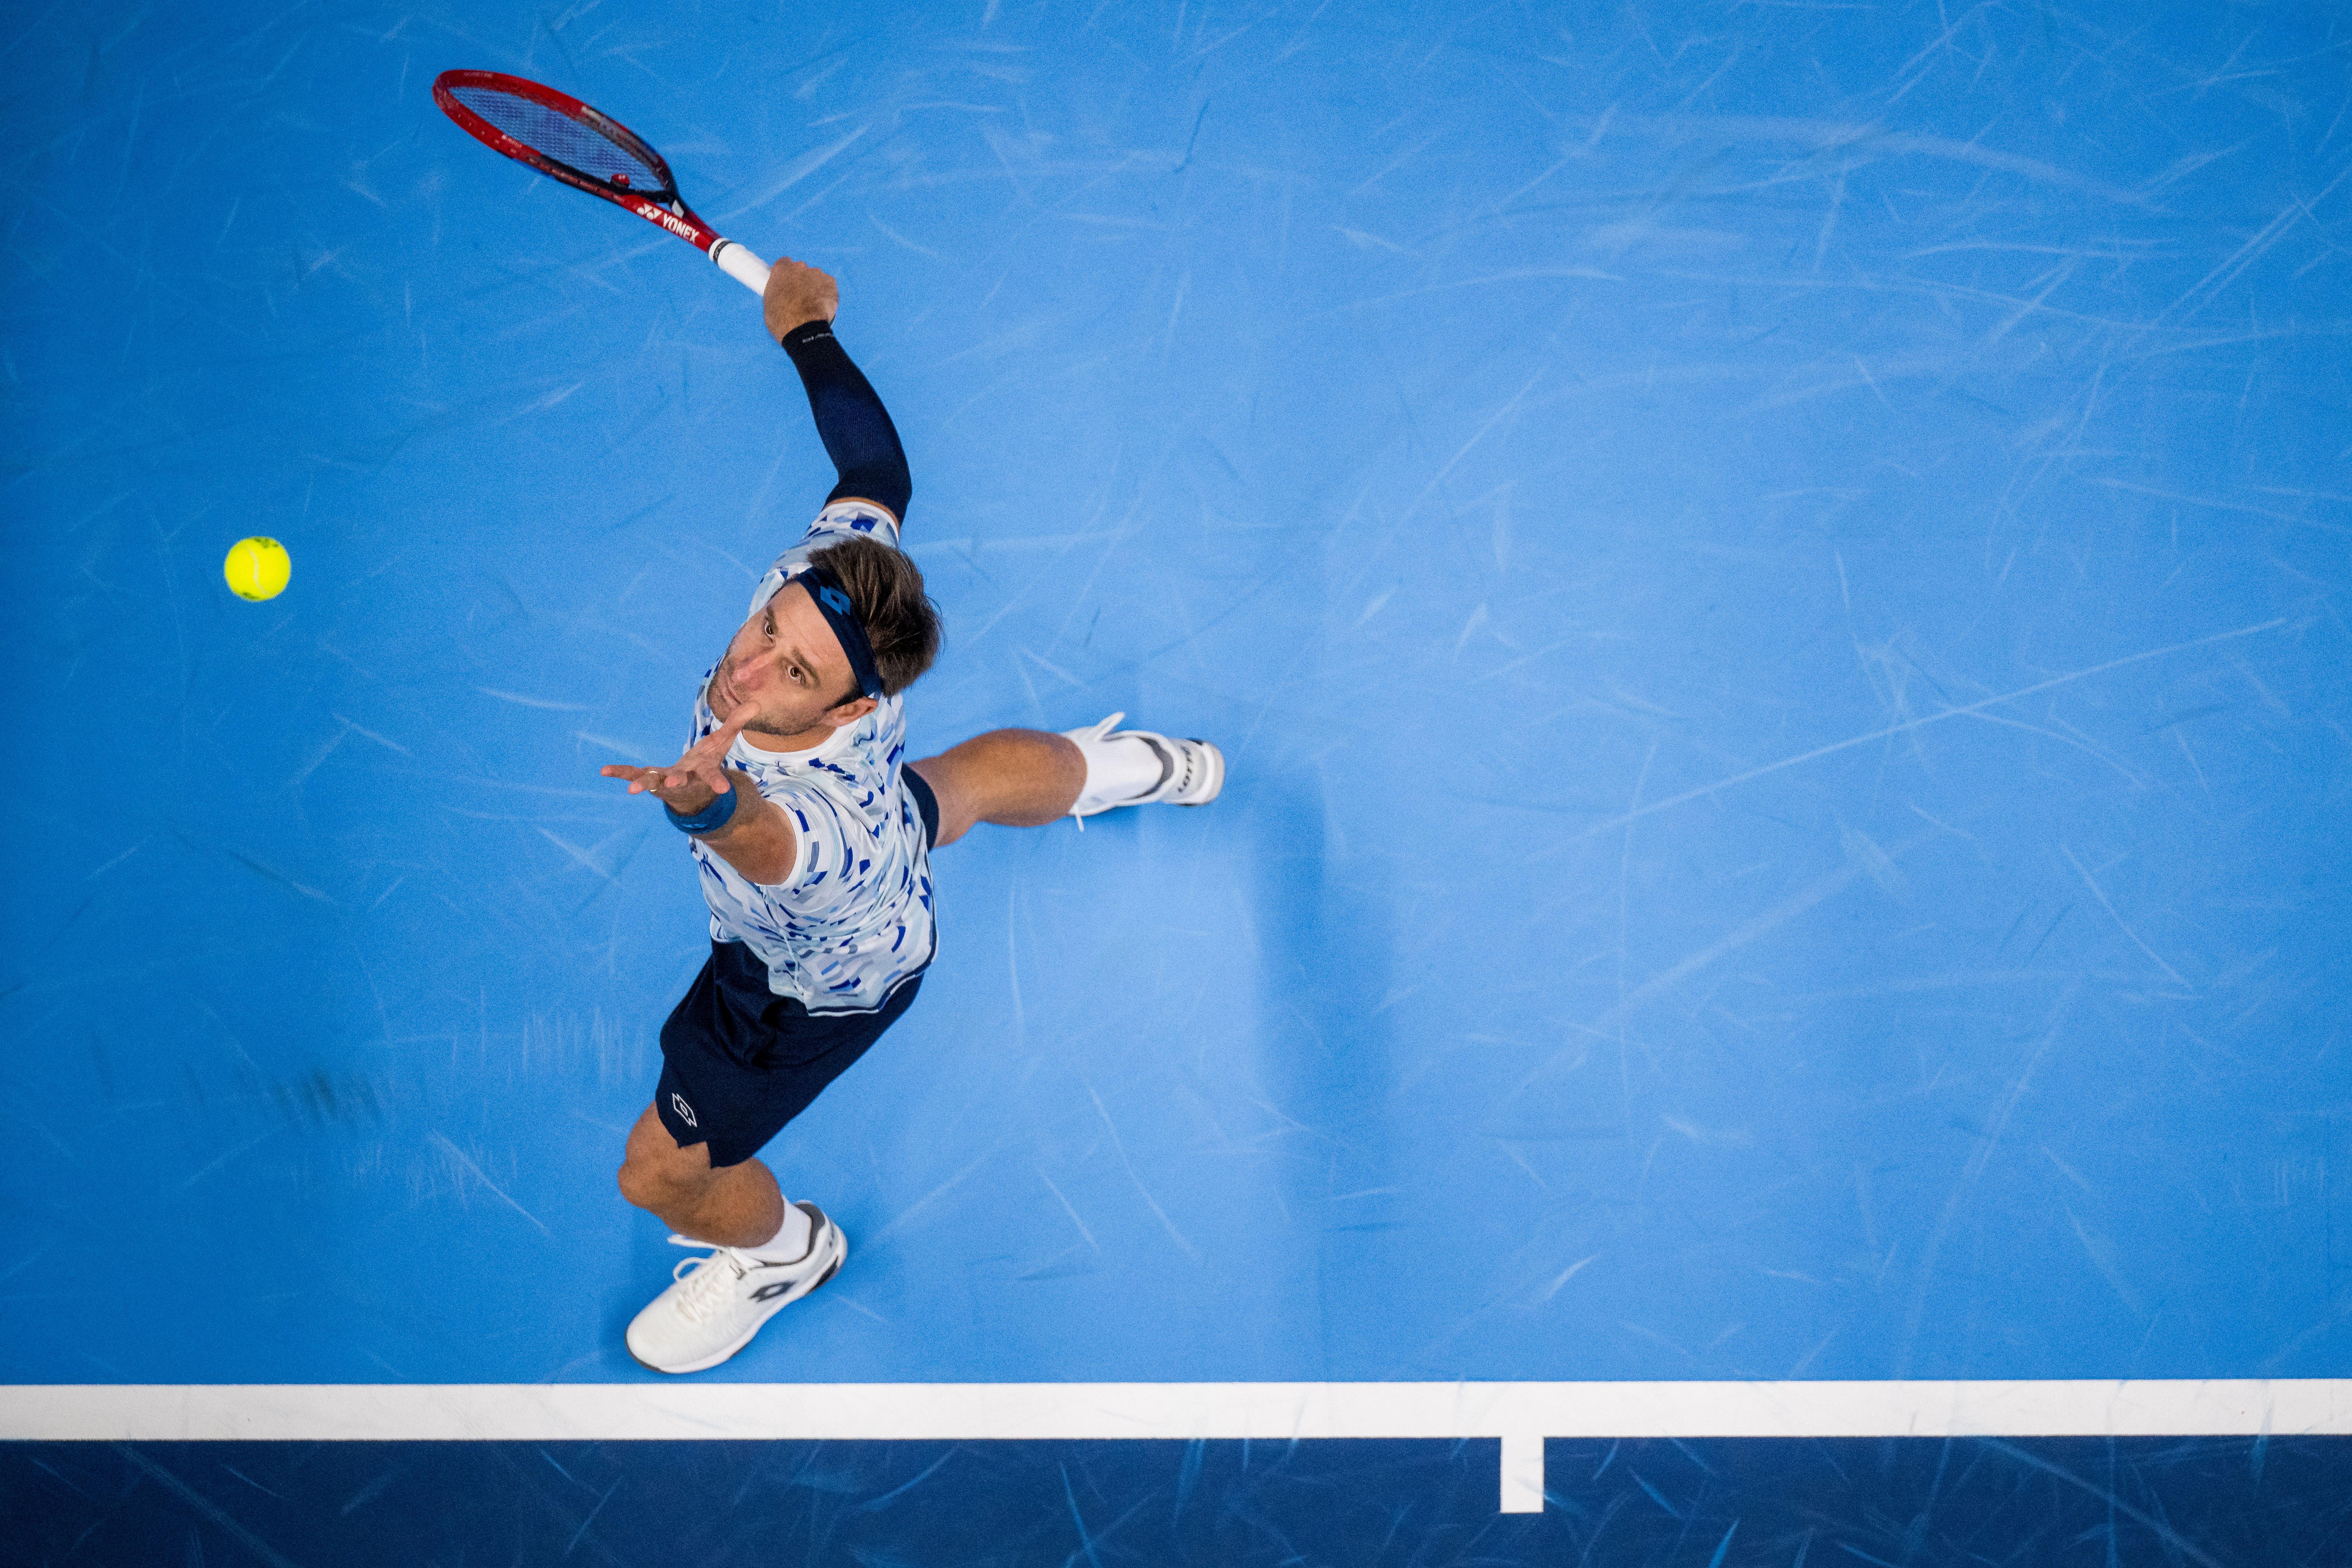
(685, 1112)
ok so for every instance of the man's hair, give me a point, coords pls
(886, 590)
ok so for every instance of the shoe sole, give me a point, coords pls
(1216, 773)
(705, 1365)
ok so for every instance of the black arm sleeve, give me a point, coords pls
(850, 420)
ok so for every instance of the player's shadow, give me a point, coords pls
(1326, 909)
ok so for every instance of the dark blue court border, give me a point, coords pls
(2282, 1502)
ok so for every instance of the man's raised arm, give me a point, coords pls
(850, 420)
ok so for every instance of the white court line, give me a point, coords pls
(1520, 1413)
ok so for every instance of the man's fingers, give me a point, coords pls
(696, 772)
(710, 752)
(692, 771)
(689, 772)
(714, 745)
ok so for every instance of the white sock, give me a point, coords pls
(790, 1243)
(1118, 770)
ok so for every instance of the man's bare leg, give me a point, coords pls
(736, 1206)
(761, 1263)
(1015, 778)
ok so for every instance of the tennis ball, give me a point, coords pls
(257, 568)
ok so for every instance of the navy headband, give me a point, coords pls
(831, 602)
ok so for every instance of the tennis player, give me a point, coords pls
(812, 835)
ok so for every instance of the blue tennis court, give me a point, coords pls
(1770, 582)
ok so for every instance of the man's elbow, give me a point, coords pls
(760, 845)
(768, 877)
(885, 485)
(767, 863)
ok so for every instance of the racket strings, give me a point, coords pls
(560, 139)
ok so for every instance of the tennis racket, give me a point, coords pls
(563, 139)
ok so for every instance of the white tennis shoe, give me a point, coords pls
(1191, 773)
(719, 1301)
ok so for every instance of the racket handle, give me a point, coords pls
(741, 265)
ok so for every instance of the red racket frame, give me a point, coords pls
(731, 257)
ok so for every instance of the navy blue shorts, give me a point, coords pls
(738, 1061)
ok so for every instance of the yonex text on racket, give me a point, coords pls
(562, 138)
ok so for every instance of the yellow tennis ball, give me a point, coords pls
(257, 568)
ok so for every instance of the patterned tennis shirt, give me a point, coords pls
(851, 920)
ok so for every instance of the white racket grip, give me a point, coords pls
(741, 265)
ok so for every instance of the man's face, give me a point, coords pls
(787, 665)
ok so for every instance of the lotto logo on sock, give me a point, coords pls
(685, 1112)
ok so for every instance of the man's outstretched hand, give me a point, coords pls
(696, 779)
(798, 293)
(757, 840)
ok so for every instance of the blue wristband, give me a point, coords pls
(710, 818)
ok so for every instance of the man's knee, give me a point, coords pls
(656, 1173)
(662, 1184)
(638, 1183)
